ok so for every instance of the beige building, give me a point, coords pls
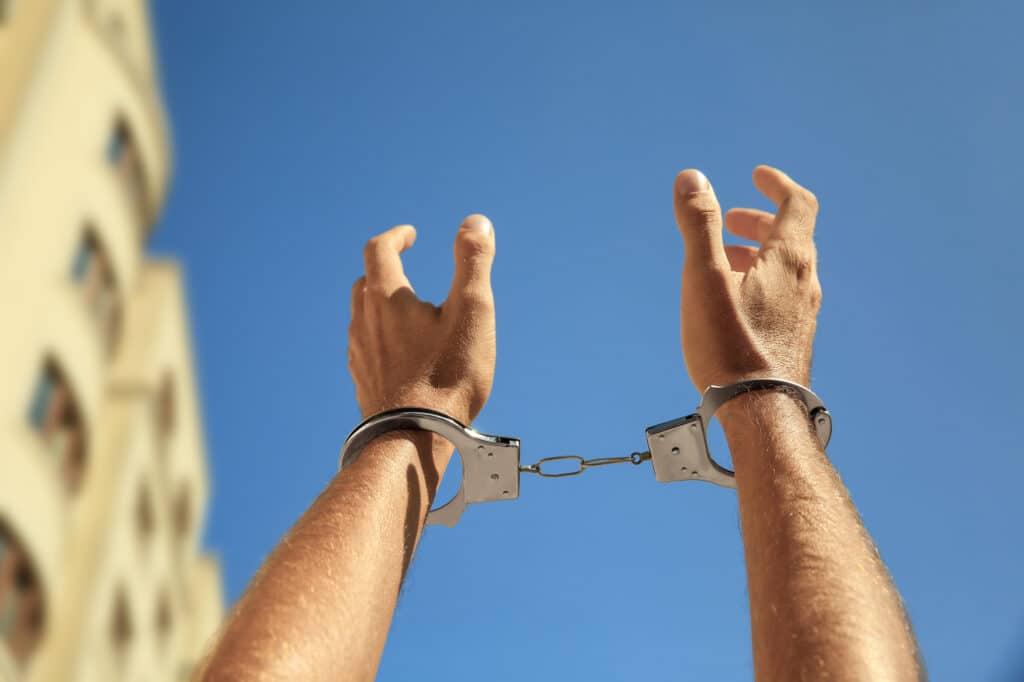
(103, 479)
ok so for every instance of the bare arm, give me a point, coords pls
(321, 605)
(822, 603)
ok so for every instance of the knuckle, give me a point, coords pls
(797, 210)
(815, 294)
(474, 245)
(803, 201)
(800, 260)
(701, 210)
(374, 294)
(476, 297)
(371, 247)
(811, 200)
(377, 294)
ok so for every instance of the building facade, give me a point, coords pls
(103, 479)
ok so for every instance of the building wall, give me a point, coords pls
(23, 25)
(82, 76)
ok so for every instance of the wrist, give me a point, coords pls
(444, 402)
(397, 450)
(760, 408)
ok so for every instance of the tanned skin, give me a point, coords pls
(823, 606)
(321, 605)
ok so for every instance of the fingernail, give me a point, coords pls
(477, 223)
(690, 181)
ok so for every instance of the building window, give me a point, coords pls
(183, 511)
(165, 408)
(93, 271)
(121, 628)
(123, 156)
(21, 599)
(54, 415)
(145, 518)
(115, 24)
(164, 617)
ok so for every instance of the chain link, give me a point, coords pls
(582, 464)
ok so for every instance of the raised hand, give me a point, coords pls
(747, 311)
(404, 352)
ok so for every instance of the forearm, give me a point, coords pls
(321, 605)
(822, 603)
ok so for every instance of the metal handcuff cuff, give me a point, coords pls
(490, 464)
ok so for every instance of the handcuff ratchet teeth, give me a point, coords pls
(491, 468)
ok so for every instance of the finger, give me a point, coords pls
(474, 255)
(383, 263)
(749, 223)
(740, 257)
(358, 290)
(700, 219)
(357, 304)
(797, 206)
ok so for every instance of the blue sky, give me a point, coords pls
(302, 129)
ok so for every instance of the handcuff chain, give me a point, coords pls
(582, 464)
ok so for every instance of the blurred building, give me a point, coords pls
(103, 480)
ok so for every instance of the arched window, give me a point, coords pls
(123, 156)
(183, 511)
(122, 629)
(163, 618)
(22, 615)
(165, 410)
(115, 24)
(145, 516)
(54, 415)
(94, 273)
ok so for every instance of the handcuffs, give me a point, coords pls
(490, 464)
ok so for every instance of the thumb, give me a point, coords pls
(474, 253)
(700, 219)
